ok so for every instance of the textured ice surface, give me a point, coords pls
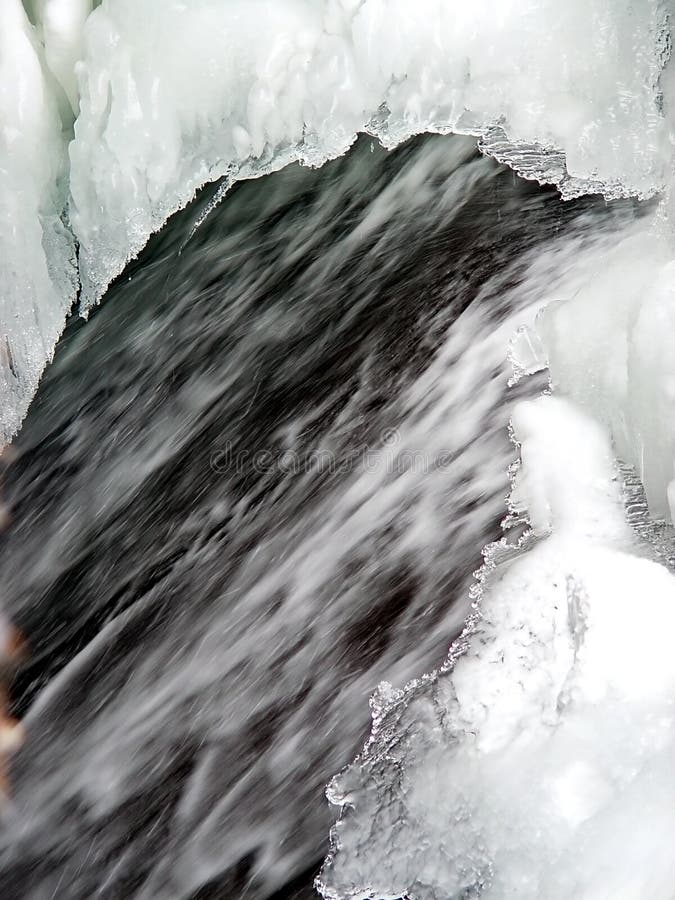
(167, 95)
(538, 763)
(38, 278)
(610, 347)
(605, 332)
(60, 27)
(175, 94)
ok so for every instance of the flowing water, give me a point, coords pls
(253, 485)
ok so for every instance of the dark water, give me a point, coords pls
(252, 485)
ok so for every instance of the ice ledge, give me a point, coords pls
(171, 95)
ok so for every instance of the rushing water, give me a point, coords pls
(251, 486)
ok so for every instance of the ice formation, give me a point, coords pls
(620, 365)
(489, 776)
(38, 271)
(538, 763)
(175, 94)
(169, 95)
(60, 27)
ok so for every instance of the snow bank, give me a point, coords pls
(522, 768)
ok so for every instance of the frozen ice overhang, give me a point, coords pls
(170, 95)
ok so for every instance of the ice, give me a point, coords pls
(610, 348)
(155, 99)
(524, 768)
(61, 29)
(37, 254)
(175, 94)
(526, 353)
(605, 331)
(521, 768)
